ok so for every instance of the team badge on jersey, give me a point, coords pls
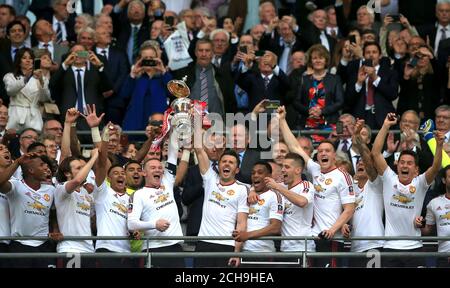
(47, 197)
(230, 192)
(328, 181)
(261, 202)
(412, 189)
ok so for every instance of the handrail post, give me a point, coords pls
(149, 257)
(304, 254)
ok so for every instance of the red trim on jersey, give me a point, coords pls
(446, 196)
(295, 185)
(347, 177)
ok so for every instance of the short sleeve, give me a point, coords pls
(430, 217)
(242, 201)
(276, 207)
(346, 189)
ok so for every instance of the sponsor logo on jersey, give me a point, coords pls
(412, 189)
(445, 216)
(230, 192)
(84, 206)
(402, 198)
(328, 181)
(36, 205)
(121, 207)
(261, 202)
(318, 188)
(252, 210)
(219, 196)
(162, 198)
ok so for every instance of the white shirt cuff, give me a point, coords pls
(377, 81)
(276, 70)
(358, 87)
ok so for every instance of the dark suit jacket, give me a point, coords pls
(117, 69)
(63, 88)
(424, 154)
(70, 24)
(223, 79)
(253, 83)
(6, 66)
(334, 98)
(311, 35)
(250, 158)
(270, 43)
(296, 81)
(238, 8)
(192, 196)
(385, 93)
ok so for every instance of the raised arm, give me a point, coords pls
(433, 171)
(151, 132)
(202, 157)
(6, 174)
(380, 162)
(94, 122)
(289, 138)
(182, 167)
(294, 198)
(366, 156)
(70, 120)
(71, 185)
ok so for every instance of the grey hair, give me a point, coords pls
(213, 34)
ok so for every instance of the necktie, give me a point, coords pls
(14, 53)
(135, 42)
(216, 61)
(45, 45)
(443, 34)
(358, 158)
(104, 54)
(214, 167)
(58, 33)
(370, 93)
(79, 91)
(203, 87)
(345, 145)
(333, 32)
(266, 81)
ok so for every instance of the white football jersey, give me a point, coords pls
(270, 206)
(151, 204)
(438, 213)
(221, 206)
(297, 221)
(368, 217)
(30, 210)
(402, 203)
(5, 226)
(111, 209)
(74, 217)
(331, 191)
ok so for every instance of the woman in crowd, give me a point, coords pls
(27, 87)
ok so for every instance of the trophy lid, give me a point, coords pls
(179, 88)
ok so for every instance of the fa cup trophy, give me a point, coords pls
(182, 116)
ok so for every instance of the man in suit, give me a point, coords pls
(74, 85)
(193, 191)
(130, 30)
(7, 15)
(281, 40)
(44, 34)
(221, 49)
(270, 82)
(207, 83)
(240, 140)
(20, 6)
(62, 22)
(371, 90)
(315, 32)
(116, 69)
(439, 31)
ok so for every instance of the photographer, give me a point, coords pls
(419, 84)
(145, 89)
(26, 87)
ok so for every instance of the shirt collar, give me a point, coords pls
(264, 76)
(76, 68)
(136, 25)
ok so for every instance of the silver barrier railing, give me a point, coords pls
(301, 254)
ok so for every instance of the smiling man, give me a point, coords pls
(265, 216)
(403, 194)
(334, 198)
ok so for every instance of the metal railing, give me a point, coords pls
(300, 254)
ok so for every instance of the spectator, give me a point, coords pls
(320, 97)
(315, 32)
(26, 88)
(3, 120)
(44, 34)
(51, 147)
(83, 21)
(145, 89)
(62, 22)
(257, 32)
(86, 37)
(436, 32)
(372, 88)
(27, 24)
(7, 15)
(245, 13)
(116, 69)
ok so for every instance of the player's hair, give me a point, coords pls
(298, 160)
(265, 164)
(114, 166)
(233, 153)
(412, 153)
